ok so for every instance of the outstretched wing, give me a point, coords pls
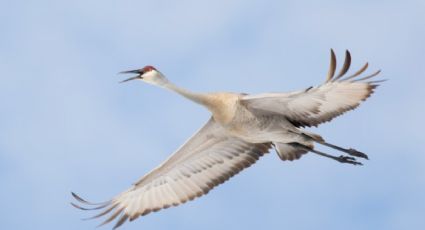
(206, 160)
(315, 105)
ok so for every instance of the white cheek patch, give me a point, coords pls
(148, 75)
(155, 78)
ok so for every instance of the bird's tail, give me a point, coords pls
(289, 151)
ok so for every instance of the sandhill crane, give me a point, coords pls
(242, 128)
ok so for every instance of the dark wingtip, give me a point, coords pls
(112, 217)
(332, 67)
(78, 198)
(345, 67)
(360, 71)
(377, 81)
(369, 76)
(120, 221)
(81, 200)
(77, 206)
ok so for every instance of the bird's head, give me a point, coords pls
(147, 74)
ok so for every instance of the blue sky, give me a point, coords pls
(66, 125)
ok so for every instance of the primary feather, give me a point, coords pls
(206, 160)
(317, 104)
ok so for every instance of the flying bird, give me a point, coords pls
(242, 128)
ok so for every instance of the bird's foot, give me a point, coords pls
(356, 153)
(347, 159)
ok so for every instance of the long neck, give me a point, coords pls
(195, 97)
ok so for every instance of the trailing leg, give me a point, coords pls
(341, 159)
(352, 152)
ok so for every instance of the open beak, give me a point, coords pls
(137, 71)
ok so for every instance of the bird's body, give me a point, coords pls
(242, 128)
(246, 124)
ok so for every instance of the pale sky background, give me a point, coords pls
(66, 125)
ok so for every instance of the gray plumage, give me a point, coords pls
(241, 130)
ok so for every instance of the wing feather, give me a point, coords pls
(319, 104)
(206, 160)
